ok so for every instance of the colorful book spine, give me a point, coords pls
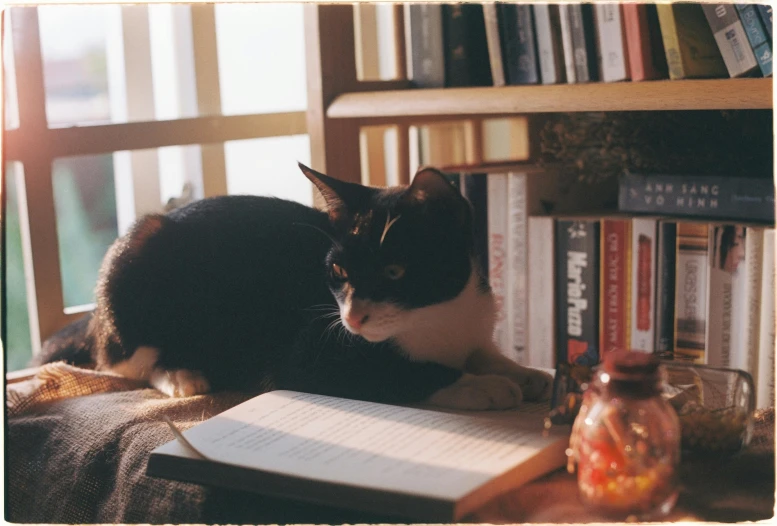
(691, 50)
(465, 48)
(691, 292)
(519, 48)
(550, 51)
(577, 289)
(766, 366)
(567, 45)
(498, 263)
(720, 291)
(644, 232)
(475, 189)
(615, 284)
(747, 312)
(738, 198)
(613, 58)
(758, 37)
(542, 291)
(581, 23)
(518, 262)
(646, 56)
(766, 17)
(666, 265)
(493, 41)
(731, 38)
(424, 45)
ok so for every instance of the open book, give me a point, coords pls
(421, 464)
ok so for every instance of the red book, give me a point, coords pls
(615, 283)
(644, 45)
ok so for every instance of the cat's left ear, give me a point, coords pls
(430, 186)
(340, 196)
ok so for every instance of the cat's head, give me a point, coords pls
(396, 250)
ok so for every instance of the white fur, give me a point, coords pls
(139, 366)
(178, 383)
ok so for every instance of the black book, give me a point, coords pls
(475, 189)
(424, 45)
(699, 196)
(465, 46)
(766, 16)
(582, 26)
(666, 266)
(518, 43)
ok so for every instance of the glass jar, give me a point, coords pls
(626, 440)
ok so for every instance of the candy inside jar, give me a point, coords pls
(626, 440)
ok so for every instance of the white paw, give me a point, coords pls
(472, 392)
(536, 385)
(179, 383)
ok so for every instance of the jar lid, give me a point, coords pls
(628, 365)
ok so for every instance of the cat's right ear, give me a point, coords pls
(339, 195)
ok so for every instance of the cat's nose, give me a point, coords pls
(356, 320)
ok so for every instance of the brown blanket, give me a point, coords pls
(82, 460)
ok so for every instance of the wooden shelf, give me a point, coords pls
(707, 94)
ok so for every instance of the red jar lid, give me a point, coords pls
(630, 365)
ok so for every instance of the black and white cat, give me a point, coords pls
(379, 298)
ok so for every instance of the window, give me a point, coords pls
(113, 110)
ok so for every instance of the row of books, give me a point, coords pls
(573, 283)
(499, 44)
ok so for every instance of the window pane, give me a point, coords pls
(9, 79)
(269, 167)
(85, 202)
(261, 53)
(18, 346)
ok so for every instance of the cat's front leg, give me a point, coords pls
(536, 385)
(478, 392)
(177, 383)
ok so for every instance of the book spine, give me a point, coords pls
(549, 50)
(518, 250)
(756, 35)
(657, 52)
(691, 292)
(577, 286)
(721, 299)
(615, 282)
(464, 44)
(743, 198)
(643, 278)
(668, 24)
(766, 17)
(698, 48)
(666, 264)
(528, 72)
(731, 38)
(423, 30)
(541, 292)
(491, 19)
(646, 56)
(476, 192)
(582, 42)
(498, 259)
(765, 380)
(566, 43)
(747, 312)
(613, 59)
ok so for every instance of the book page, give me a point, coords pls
(385, 447)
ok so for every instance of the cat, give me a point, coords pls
(377, 298)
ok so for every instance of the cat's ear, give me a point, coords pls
(431, 187)
(340, 196)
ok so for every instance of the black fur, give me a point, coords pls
(241, 289)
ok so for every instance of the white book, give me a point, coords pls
(494, 44)
(566, 43)
(643, 283)
(765, 382)
(727, 247)
(613, 60)
(549, 49)
(747, 303)
(517, 243)
(541, 292)
(498, 267)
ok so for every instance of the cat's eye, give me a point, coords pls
(339, 272)
(394, 271)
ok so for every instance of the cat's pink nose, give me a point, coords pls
(356, 320)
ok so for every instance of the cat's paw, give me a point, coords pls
(179, 383)
(536, 385)
(479, 392)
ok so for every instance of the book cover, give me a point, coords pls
(498, 262)
(731, 38)
(613, 58)
(541, 284)
(615, 283)
(691, 292)
(646, 55)
(691, 50)
(406, 462)
(517, 269)
(742, 198)
(494, 43)
(519, 48)
(550, 51)
(766, 17)
(644, 232)
(747, 300)
(581, 23)
(464, 46)
(757, 36)
(577, 290)
(666, 265)
(424, 45)
(475, 190)
(567, 46)
(764, 387)
(726, 251)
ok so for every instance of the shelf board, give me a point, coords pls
(707, 94)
